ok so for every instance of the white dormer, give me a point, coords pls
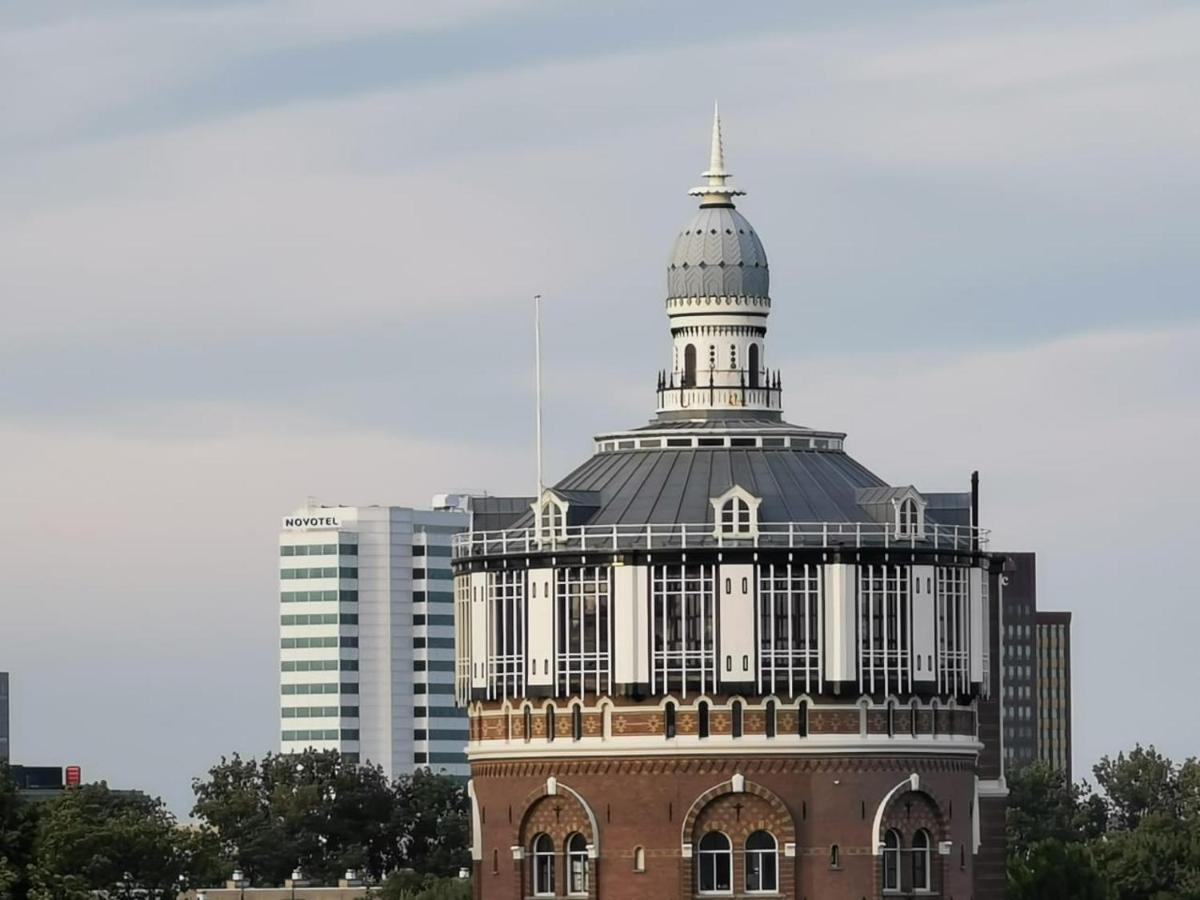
(735, 514)
(550, 517)
(908, 514)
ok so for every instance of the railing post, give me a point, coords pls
(614, 542)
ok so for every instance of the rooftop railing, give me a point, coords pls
(701, 535)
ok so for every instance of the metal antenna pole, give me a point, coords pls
(537, 352)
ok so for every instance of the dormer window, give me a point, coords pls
(551, 518)
(736, 514)
(910, 517)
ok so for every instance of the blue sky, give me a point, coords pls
(256, 250)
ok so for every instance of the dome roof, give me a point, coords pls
(718, 254)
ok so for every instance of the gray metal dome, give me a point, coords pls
(718, 254)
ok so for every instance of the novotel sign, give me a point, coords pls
(311, 522)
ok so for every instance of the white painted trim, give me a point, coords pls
(911, 783)
(476, 824)
(722, 745)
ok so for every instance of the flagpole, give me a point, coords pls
(537, 352)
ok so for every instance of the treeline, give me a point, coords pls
(1134, 836)
(313, 811)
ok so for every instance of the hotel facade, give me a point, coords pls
(724, 658)
(366, 636)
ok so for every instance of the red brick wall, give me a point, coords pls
(646, 803)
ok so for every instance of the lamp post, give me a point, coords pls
(297, 875)
(239, 882)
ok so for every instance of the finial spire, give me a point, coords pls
(716, 159)
(716, 192)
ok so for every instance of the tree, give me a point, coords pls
(18, 830)
(314, 810)
(94, 839)
(432, 818)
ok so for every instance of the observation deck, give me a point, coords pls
(619, 538)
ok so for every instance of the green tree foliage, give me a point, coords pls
(18, 830)
(431, 816)
(405, 884)
(1136, 838)
(317, 811)
(93, 839)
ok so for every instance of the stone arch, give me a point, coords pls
(739, 785)
(907, 813)
(535, 801)
(911, 810)
(559, 811)
(737, 808)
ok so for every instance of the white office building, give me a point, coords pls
(366, 628)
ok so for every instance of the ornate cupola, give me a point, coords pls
(718, 301)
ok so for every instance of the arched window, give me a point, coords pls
(907, 524)
(770, 718)
(549, 723)
(891, 860)
(543, 866)
(702, 718)
(802, 719)
(577, 865)
(753, 366)
(835, 857)
(577, 722)
(912, 718)
(689, 366)
(669, 720)
(715, 864)
(553, 520)
(762, 863)
(735, 516)
(922, 844)
(891, 718)
(528, 717)
(639, 859)
(737, 718)
(495, 862)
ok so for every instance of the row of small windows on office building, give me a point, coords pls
(436, 643)
(1018, 651)
(328, 734)
(1017, 692)
(325, 572)
(433, 759)
(1022, 672)
(433, 665)
(319, 712)
(319, 619)
(1021, 712)
(433, 619)
(420, 572)
(305, 643)
(431, 550)
(1018, 732)
(433, 596)
(319, 665)
(318, 596)
(319, 550)
(319, 687)
(1018, 631)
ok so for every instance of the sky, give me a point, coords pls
(255, 251)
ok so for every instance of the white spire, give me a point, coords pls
(716, 191)
(716, 159)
